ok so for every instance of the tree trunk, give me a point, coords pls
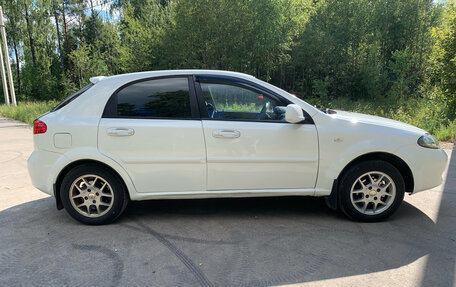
(58, 33)
(17, 67)
(65, 31)
(94, 23)
(30, 34)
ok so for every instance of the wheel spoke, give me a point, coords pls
(370, 178)
(375, 207)
(365, 206)
(77, 196)
(85, 181)
(387, 185)
(362, 184)
(102, 187)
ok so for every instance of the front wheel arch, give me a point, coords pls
(66, 169)
(397, 162)
(394, 160)
(363, 184)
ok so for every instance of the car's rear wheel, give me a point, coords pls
(371, 191)
(93, 194)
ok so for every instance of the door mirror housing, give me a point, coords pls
(294, 114)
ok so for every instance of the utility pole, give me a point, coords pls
(7, 61)
(5, 86)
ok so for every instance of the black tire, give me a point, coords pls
(118, 189)
(349, 178)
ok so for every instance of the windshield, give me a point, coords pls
(68, 100)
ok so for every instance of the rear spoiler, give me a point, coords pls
(95, 80)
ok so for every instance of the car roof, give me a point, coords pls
(141, 75)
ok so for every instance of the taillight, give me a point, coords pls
(39, 127)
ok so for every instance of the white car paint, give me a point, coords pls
(181, 158)
(166, 155)
(265, 156)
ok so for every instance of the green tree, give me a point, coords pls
(363, 47)
(443, 57)
(141, 29)
(248, 36)
(87, 63)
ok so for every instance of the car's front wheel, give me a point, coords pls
(92, 194)
(371, 191)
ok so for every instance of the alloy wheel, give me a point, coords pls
(373, 193)
(91, 195)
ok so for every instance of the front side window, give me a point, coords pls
(158, 98)
(226, 101)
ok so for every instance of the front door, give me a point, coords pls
(249, 144)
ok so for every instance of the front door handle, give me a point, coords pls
(227, 134)
(120, 132)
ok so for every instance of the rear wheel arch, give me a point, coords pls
(70, 166)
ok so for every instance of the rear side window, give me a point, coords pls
(158, 98)
(69, 99)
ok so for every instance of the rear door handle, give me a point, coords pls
(227, 134)
(120, 132)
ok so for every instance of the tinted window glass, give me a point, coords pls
(68, 100)
(162, 98)
(226, 101)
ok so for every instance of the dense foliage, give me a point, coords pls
(392, 58)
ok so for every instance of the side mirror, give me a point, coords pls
(294, 114)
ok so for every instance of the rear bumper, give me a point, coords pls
(39, 166)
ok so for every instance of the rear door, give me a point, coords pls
(249, 144)
(152, 128)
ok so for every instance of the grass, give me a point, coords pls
(428, 115)
(27, 112)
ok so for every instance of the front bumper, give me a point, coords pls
(427, 166)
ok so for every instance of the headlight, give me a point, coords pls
(428, 141)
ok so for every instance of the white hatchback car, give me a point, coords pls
(204, 133)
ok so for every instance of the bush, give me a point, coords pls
(27, 111)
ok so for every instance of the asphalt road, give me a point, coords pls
(219, 242)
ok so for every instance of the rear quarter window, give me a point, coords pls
(156, 98)
(69, 99)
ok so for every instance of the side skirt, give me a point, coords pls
(224, 194)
